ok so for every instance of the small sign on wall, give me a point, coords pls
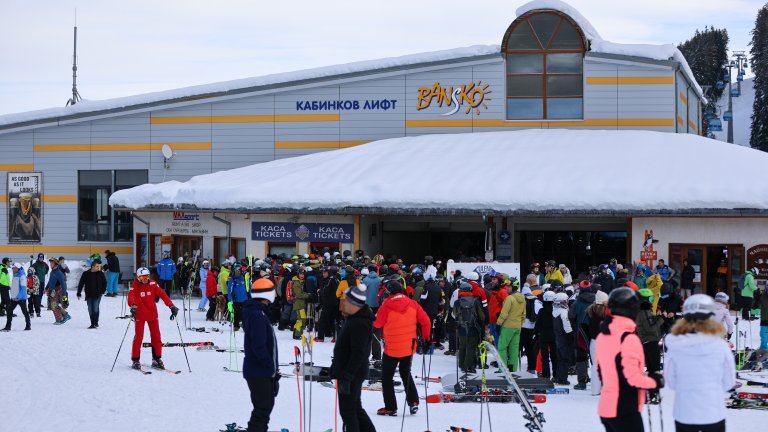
(757, 256)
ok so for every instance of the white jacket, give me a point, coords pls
(723, 316)
(700, 369)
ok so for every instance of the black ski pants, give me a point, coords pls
(326, 326)
(376, 344)
(627, 423)
(351, 410)
(714, 427)
(9, 312)
(528, 344)
(565, 356)
(263, 400)
(212, 308)
(388, 366)
(548, 350)
(166, 285)
(5, 297)
(238, 318)
(745, 303)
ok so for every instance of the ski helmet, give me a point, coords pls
(428, 259)
(754, 271)
(624, 302)
(142, 274)
(698, 307)
(556, 285)
(473, 276)
(561, 298)
(549, 296)
(206, 263)
(364, 272)
(263, 289)
(236, 272)
(722, 297)
(646, 295)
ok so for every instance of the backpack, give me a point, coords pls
(530, 310)
(466, 313)
(740, 283)
(289, 291)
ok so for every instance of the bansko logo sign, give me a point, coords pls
(468, 96)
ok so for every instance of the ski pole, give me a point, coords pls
(183, 346)
(648, 406)
(426, 381)
(336, 409)
(121, 344)
(311, 373)
(298, 386)
(304, 378)
(661, 413)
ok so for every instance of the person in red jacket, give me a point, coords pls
(495, 303)
(399, 317)
(621, 365)
(211, 289)
(141, 300)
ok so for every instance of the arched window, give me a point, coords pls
(544, 67)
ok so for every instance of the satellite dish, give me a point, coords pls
(167, 152)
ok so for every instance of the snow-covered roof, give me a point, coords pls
(600, 45)
(597, 44)
(570, 171)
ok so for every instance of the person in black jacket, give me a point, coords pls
(113, 266)
(430, 299)
(350, 359)
(95, 284)
(605, 280)
(260, 366)
(545, 334)
(686, 280)
(329, 304)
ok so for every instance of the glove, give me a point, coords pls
(174, 312)
(659, 378)
(79, 297)
(231, 307)
(276, 385)
(345, 387)
(133, 310)
(426, 346)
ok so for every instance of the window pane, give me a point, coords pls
(545, 25)
(564, 85)
(525, 63)
(522, 85)
(566, 108)
(282, 248)
(522, 38)
(525, 108)
(93, 214)
(567, 37)
(564, 63)
(239, 248)
(130, 178)
(96, 178)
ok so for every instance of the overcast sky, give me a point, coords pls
(138, 46)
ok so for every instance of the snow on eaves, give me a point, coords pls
(88, 106)
(599, 45)
(409, 174)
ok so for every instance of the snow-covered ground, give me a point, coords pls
(742, 113)
(57, 378)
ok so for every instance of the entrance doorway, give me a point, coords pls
(317, 247)
(578, 250)
(717, 266)
(413, 246)
(184, 246)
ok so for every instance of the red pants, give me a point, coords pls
(154, 334)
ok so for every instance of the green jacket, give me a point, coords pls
(750, 285)
(640, 282)
(5, 278)
(418, 290)
(299, 295)
(512, 311)
(223, 278)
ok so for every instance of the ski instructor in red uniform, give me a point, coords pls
(141, 300)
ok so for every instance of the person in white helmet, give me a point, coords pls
(722, 314)
(203, 278)
(141, 300)
(699, 367)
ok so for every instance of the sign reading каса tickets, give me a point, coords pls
(25, 215)
(309, 232)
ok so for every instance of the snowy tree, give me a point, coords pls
(759, 136)
(706, 53)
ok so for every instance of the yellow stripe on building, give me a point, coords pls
(278, 118)
(680, 121)
(59, 198)
(45, 148)
(683, 98)
(16, 167)
(692, 125)
(610, 122)
(84, 250)
(316, 144)
(630, 80)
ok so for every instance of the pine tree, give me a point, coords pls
(706, 53)
(759, 136)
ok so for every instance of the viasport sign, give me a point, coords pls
(281, 231)
(184, 216)
(468, 96)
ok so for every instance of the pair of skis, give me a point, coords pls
(179, 344)
(145, 370)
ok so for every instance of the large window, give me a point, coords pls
(96, 219)
(544, 57)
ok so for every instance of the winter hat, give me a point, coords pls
(645, 293)
(601, 297)
(263, 289)
(356, 295)
(364, 272)
(465, 286)
(6, 260)
(394, 287)
(633, 286)
(721, 297)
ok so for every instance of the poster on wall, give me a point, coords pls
(757, 256)
(510, 269)
(25, 217)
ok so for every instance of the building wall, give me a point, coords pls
(212, 135)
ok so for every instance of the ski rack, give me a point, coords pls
(534, 418)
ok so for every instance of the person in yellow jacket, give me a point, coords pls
(654, 284)
(349, 280)
(510, 322)
(553, 273)
(224, 277)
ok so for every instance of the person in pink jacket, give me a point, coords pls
(621, 365)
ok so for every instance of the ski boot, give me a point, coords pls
(413, 408)
(653, 397)
(387, 412)
(66, 318)
(28, 327)
(136, 365)
(582, 385)
(158, 364)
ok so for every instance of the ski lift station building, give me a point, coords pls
(535, 148)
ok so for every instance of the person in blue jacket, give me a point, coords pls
(166, 268)
(18, 297)
(260, 366)
(57, 290)
(237, 294)
(663, 270)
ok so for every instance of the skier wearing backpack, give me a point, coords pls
(468, 311)
(563, 338)
(649, 329)
(621, 364)
(527, 342)
(400, 319)
(747, 297)
(237, 294)
(545, 334)
(577, 313)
